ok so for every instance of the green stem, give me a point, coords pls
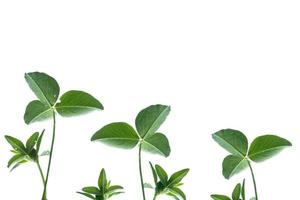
(253, 178)
(155, 195)
(41, 171)
(50, 157)
(141, 172)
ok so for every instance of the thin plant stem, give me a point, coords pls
(41, 171)
(253, 178)
(141, 172)
(155, 195)
(44, 197)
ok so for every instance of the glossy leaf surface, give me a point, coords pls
(233, 165)
(44, 87)
(157, 144)
(118, 134)
(233, 141)
(75, 102)
(162, 174)
(177, 177)
(37, 111)
(236, 192)
(32, 140)
(150, 119)
(267, 146)
(16, 144)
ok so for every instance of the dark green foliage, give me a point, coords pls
(47, 91)
(168, 185)
(238, 193)
(103, 191)
(146, 137)
(148, 121)
(24, 152)
(236, 143)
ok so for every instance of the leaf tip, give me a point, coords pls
(27, 122)
(226, 177)
(167, 154)
(93, 138)
(7, 137)
(187, 170)
(26, 74)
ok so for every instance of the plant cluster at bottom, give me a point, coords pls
(147, 138)
(103, 191)
(238, 193)
(241, 156)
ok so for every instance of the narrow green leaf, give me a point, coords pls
(236, 192)
(157, 144)
(114, 193)
(44, 87)
(87, 195)
(16, 144)
(267, 146)
(74, 103)
(15, 159)
(118, 134)
(18, 164)
(177, 192)
(91, 190)
(219, 197)
(31, 142)
(233, 165)
(154, 174)
(150, 119)
(37, 111)
(233, 141)
(39, 142)
(102, 181)
(162, 174)
(173, 195)
(177, 177)
(114, 188)
(243, 194)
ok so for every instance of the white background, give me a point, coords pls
(219, 64)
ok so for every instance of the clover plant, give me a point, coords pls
(165, 185)
(103, 191)
(24, 153)
(241, 157)
(46, 106)
(237, 194)
(146, 137)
